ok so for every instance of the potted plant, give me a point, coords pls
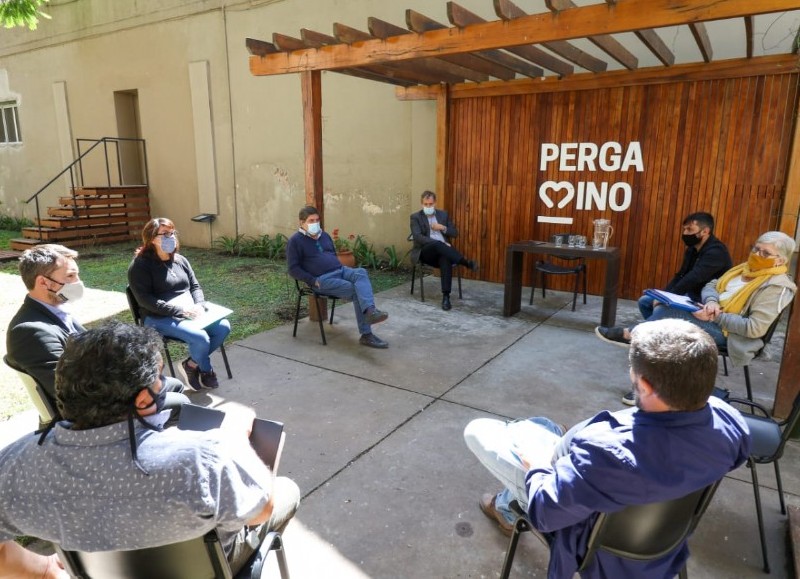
(344, 248)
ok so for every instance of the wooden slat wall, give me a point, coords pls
(720, 146)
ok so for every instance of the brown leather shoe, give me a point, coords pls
(487, 506)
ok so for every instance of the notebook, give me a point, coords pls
(213, 312)
(674, 300)
(266, 437)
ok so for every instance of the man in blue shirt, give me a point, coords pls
(311, 258)
(676, 441)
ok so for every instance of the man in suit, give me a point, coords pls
(39, 330)
(432, 231)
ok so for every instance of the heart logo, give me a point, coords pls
(556, 187)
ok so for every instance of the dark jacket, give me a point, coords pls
(155, 282)
(35, 341)
(700, 267)
(421, 231)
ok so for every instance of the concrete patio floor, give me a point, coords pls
(374, 437)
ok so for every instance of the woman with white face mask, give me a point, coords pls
(169, 295)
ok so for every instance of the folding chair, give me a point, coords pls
(137, 319)
(637, 532)
(307, 290)
(198, 558)
(768, 441)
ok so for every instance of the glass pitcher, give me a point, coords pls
(602, 233)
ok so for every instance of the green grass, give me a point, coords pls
(258, 290)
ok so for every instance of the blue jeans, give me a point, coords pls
(351, 284)
(201, 342)
(492, 441)
(646, 306)
(713, 330)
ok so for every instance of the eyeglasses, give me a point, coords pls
(762, 252)
(168, 234)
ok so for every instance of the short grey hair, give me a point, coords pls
(782, 242)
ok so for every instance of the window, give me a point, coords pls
(10, 131)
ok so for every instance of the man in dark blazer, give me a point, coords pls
(39, 330)
(432, 231)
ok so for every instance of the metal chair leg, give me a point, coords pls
(780, 487)
(319, 319)
(747, 383)
(520, 526)
(413, 276)
(421, 281)
(725, 364)
(297, 314)
(584, 285)
(333, 309)
(575, 292)
(759, 514)
(458, 271)
(225, 359)
(169, 358)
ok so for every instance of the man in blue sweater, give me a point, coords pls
(677, 440)
(311, 257)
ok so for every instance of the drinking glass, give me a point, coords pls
(582, 241)
(572, 240)
(558, 240)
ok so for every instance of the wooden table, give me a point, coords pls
(513, 288)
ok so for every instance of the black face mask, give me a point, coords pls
(690, 239)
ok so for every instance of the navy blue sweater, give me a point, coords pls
(309, 258)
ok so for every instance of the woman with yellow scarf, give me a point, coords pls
(739, 307)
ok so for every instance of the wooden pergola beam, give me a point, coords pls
(461, 17)
(539, 28)
(382, 29)
(507, 10)
(286, 43)
(311, 86)
(733, 68)
(657, 46)
(436, 71)
(420, 24)
(604, 42)
(703, 41)
(748, 32)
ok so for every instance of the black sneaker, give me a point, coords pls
(628, 399)
(373, 341)
(209, 379)
(446, 303)
(615, 335)
(191, 375)
(375, 316)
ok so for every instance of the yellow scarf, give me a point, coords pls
(735, 303)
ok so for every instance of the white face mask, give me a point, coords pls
(429, 210)
(314, 229)
(71, 292)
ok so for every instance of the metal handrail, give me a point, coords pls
(78, 164)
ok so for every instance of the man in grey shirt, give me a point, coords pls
(106, 479)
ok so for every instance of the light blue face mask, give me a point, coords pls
(429, 210)
(168, 244)
(314, 229)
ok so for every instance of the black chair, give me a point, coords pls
(637, 532)
(137, 319)
(768, 441)
(423, 269)
(576, 267)
(307, 290)
(199, 558)
(723, 351)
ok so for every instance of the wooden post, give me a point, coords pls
(311, 85)
(788, 384)
(442, 127)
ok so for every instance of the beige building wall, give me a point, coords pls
(379, 153)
